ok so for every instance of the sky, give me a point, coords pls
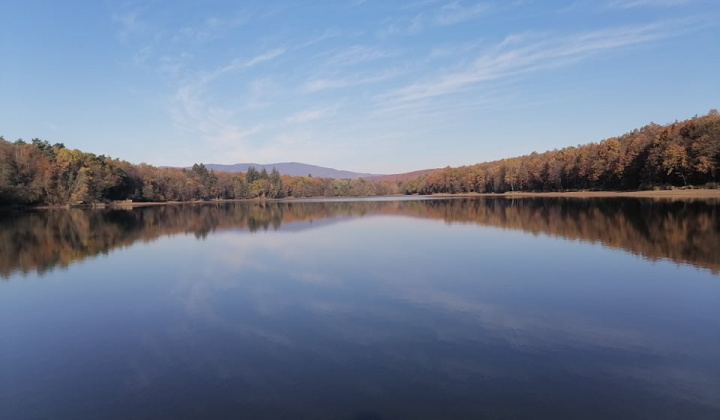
(362, 85)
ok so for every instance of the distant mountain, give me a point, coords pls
(403, 176)
(293, 169)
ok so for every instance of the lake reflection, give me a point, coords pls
(435, 309)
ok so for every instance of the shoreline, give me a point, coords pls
(679, 194)
(669, 194)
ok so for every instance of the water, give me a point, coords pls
(432, 309)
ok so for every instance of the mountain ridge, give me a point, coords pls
(293, 169)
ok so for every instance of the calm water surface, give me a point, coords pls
(426, 309)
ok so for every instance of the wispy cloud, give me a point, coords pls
(215, 124)
(311, 115)
(630, 4)
(448, 14)
(355, 54)
(454, 13)
(328, 34)
(318, 84)
(267, 56)
(241, 63)
(173, 65)
(235, 136)
(515, 55)
(143, 55)
(403, 26)
(211, 28)
(130, 25)
(261, 93)
(194, 112)
(297, 143)
(451, 50)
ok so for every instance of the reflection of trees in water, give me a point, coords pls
(682, 231)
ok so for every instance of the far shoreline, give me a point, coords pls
(669, 194)
(676, 194)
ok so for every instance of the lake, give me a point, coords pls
(457, 308)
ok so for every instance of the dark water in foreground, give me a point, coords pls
(436, 309)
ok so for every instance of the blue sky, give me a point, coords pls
(372, 86)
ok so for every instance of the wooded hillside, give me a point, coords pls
(677, 154)
(40, 173)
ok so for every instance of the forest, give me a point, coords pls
(675, 155)
(38, 173)
(680, 154)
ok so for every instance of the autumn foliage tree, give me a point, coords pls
(678, 154)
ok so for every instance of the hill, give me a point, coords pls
(680, 154)
(292, 169)
(403, 176)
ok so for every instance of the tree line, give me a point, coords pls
(678, 154)
(40, 173)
